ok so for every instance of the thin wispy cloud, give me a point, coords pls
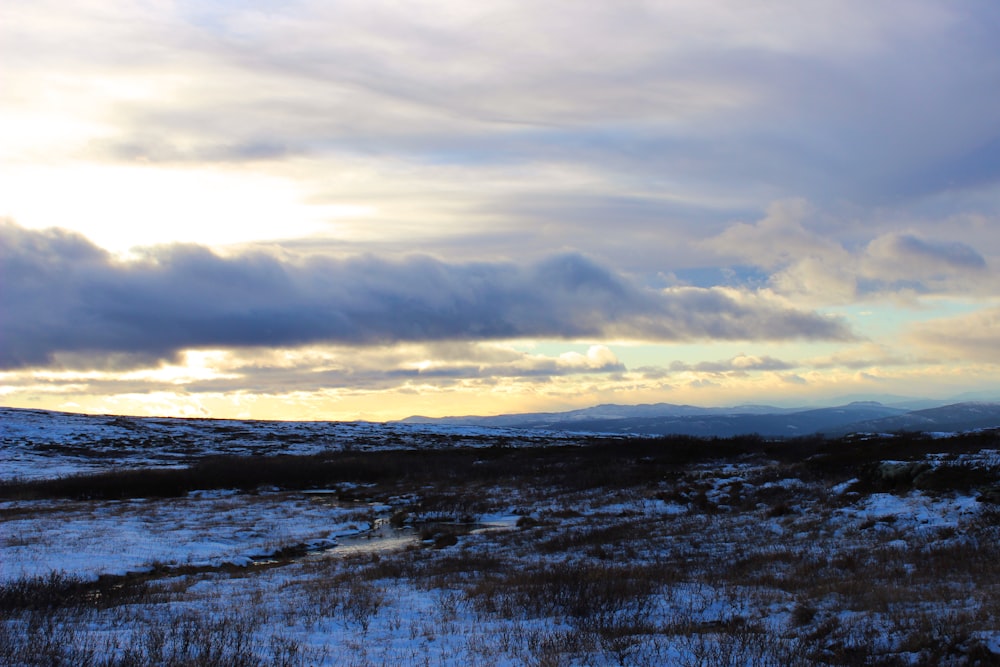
(971, 336)
(741, 363)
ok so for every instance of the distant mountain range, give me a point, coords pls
(957, 417)
(769, 421)
(41, 426)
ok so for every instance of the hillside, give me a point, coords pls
(768, 421)
(947, 419)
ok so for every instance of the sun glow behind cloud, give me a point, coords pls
(122, 207)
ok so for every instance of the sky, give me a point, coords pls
(370, 209)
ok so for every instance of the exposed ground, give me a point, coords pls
(475, 550)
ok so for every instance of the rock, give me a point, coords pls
(990, 495)
(903, 473)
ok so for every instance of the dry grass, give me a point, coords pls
(634, 553)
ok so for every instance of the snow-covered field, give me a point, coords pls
(38, 444)
(596, 555)
(90, 538)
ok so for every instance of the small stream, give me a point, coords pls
(387, 537)
(384, 537)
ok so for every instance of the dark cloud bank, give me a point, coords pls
(59, 293)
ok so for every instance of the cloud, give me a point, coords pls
(740, 364)
(593, 172)
(905, 256)
(804, 264)
(968, 337)
(811, 266)
(506, 129)
(62, 294)
(777, 240)
(831, 102)
(598, 360)
(866, 355)
(325, 368)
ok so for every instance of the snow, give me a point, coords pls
(992, 641)
(367, 592)
(913, 510)
(499, 520)
(844, 486)
(88, 539)
(39, 444)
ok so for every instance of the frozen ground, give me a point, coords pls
(575, 556)
(37, 443)
(89, 538)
